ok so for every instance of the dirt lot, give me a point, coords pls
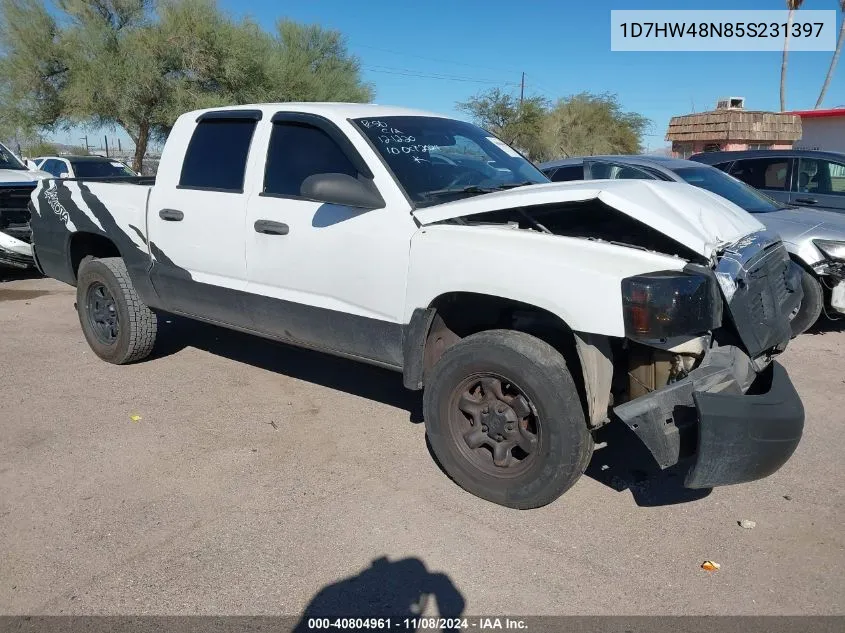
(258, 475)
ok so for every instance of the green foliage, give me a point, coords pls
(138, 64)
(587, 124)
(578, 125)
(520, 125)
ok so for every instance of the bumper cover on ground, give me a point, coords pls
(734, 424)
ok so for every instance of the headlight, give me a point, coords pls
(664, 304)
(831, 249)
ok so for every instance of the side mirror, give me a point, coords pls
(340, 189)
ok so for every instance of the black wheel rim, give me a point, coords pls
(102, 313)
(495, 425)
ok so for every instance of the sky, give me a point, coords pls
(431, 55)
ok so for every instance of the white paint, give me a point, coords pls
(578, 280)
(14, 245)
(837, 298)
(694, 217)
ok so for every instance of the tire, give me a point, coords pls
(811, 305)
(105, 282)
(562, 445)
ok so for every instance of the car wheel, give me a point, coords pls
(118, 326)
(806, 314)
(505, 420)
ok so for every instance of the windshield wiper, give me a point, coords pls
(472, 189)
(514, 185)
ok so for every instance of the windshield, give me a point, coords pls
(9, 160)
(101, 169)
(722, 184)
(439, 160)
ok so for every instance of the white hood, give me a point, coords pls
(696, 218)
(12, 176)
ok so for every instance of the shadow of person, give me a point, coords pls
(626, 464)
(386, 589)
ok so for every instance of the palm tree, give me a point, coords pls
(792, 5)
(836, 53)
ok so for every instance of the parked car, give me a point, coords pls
(796, 176)
(97, 167)
(530, 312)
(814, 238)
(17, 182)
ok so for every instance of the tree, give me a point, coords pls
(138, 64)
(588, 124)
(582, 124)
(833, 61)
(517, 124)
(793, 6)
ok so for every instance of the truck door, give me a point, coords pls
(196, 220)
(328, 276)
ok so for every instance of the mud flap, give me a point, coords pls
(746, 437)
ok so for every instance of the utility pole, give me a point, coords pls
(119, 149)
(85, 138)
(106, 139)
(522, 90)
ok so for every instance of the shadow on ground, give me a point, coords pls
(825, 324)
(16, 274)
(366, 381)
(387, 589)
(625, 464)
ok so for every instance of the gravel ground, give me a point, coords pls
(229, 475)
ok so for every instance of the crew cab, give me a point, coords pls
(531, 313)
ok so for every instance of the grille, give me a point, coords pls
(14, 210)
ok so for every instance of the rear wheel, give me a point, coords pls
(505, 420)
(811, 306)
(118, 326)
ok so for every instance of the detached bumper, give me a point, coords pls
(734, 425)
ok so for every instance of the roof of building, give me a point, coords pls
(818, 114)
(735, 124)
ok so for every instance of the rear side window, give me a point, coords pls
(217, 154)
(763, 173)
(297, 151)
(571, 172)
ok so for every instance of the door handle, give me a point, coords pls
(171, 215)
(807, 200)
(268, 227)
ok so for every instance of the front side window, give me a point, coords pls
(9, 160)
(52, 167)
(100, 169)
(821, 177)
(298, 151)
(763, 173)
(439, 160)
(721, 184)
(217, 154)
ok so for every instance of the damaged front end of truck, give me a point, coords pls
(693, 372)
(15, 233)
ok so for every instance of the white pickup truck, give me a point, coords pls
(530, 312)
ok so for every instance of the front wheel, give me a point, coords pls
(504, 419)
(118, 326)
(806, 314)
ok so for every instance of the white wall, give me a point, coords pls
(825, 133)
